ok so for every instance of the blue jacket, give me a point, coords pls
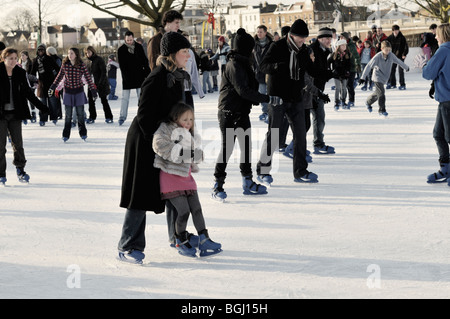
(438, 70)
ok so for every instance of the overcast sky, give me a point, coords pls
(74, 13)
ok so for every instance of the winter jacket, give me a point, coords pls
(355, 60)
(171, 143)
(205, 63)
(438, 70)
(276, 64)
(154, 48)
(46, 68)
(140, 183)
(399, 45)
(382, 67)
(21, 92)
(221, 54)
(323, 73)
(112, 69)
(239, 88)
(372, 52)
(192, 69)
(134, 66)
(258, 54)
(310, 92)
(376, 41)
(97, 67)
(73, 78)
(429, 40)
(340, 64)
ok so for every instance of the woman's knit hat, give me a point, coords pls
(341, 42)
(172, 42)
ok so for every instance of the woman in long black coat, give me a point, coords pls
(97, 67)
(162, 89)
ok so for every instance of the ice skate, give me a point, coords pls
(441, 175)
(309, 177)
(218, 192)
(23, 177)
(251, 188)
(132, 256)
(207, 247)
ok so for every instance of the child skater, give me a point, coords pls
(367, 52)
(72, 71)
(438, 70)
(177, 148)
(340, 64)
(381, 64)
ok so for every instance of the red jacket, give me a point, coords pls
(372, 51)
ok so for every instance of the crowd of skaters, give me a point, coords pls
(283, 74)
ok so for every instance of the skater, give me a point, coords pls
(111, 68)
(97, 68)
(263, 40)
(322, 49)
(238, 91)
(438, 70)
(72, 71)
(221, 54)
(355, 68)
(400, 49)
(134, 66)
(161, 90)
(194, 86)
(381, 64)
(340, 64)
(378, 38)
(46, 69)
(14, 93)
(205, 68)
(177, 145)
(171, 21)
(430, 44)
(26, 64)
(285, 63)
(366, 53)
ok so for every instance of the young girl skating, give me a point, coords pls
(177, 147)
(72, 71)
(340, 64)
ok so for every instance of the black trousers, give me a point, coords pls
(295, 114)
(232, 126)
(106, 107)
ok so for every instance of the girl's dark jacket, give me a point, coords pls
(340, 65)
(140, 183)
(97, 67)
(239, 87)
(276, 64)
(20, 94)
(46, 78)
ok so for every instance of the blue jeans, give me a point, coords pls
(52, 103)
(441, 131)
(125, 101)
(68, 120)
(263, 90)
(112, 84)
(206, 80)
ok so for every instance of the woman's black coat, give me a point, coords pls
(140, 184)
(20, 94)
(98, 69)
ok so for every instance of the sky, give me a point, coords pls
(74, 13)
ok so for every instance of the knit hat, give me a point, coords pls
(51, 51)
(221, 38)
(2, 46)
(345, 35)
(243, 42)
(172, 42)
(285, 30)
(340, 42)
(299, 28)
(325, 33)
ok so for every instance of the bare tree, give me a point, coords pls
(147, 8)
(436, 8)
(23, 21)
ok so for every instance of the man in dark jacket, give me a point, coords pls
(46, 69)
(262, 44)
(400, 49)
(321, 49)
(286, 62)
(134, 68)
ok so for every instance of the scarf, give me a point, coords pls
(177, 75)
(293, 60)
(40, 61)
(130, 47)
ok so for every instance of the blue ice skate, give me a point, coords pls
(185, 249)
(309, 177)
(251, 188)
(23, 177)
(132, 256)
(369, 108)
(265, 179)
(207, 247)
(2, 181)
(326, 149)
(402, 87)
(441, 175)
(385, 114)
(218, 192)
